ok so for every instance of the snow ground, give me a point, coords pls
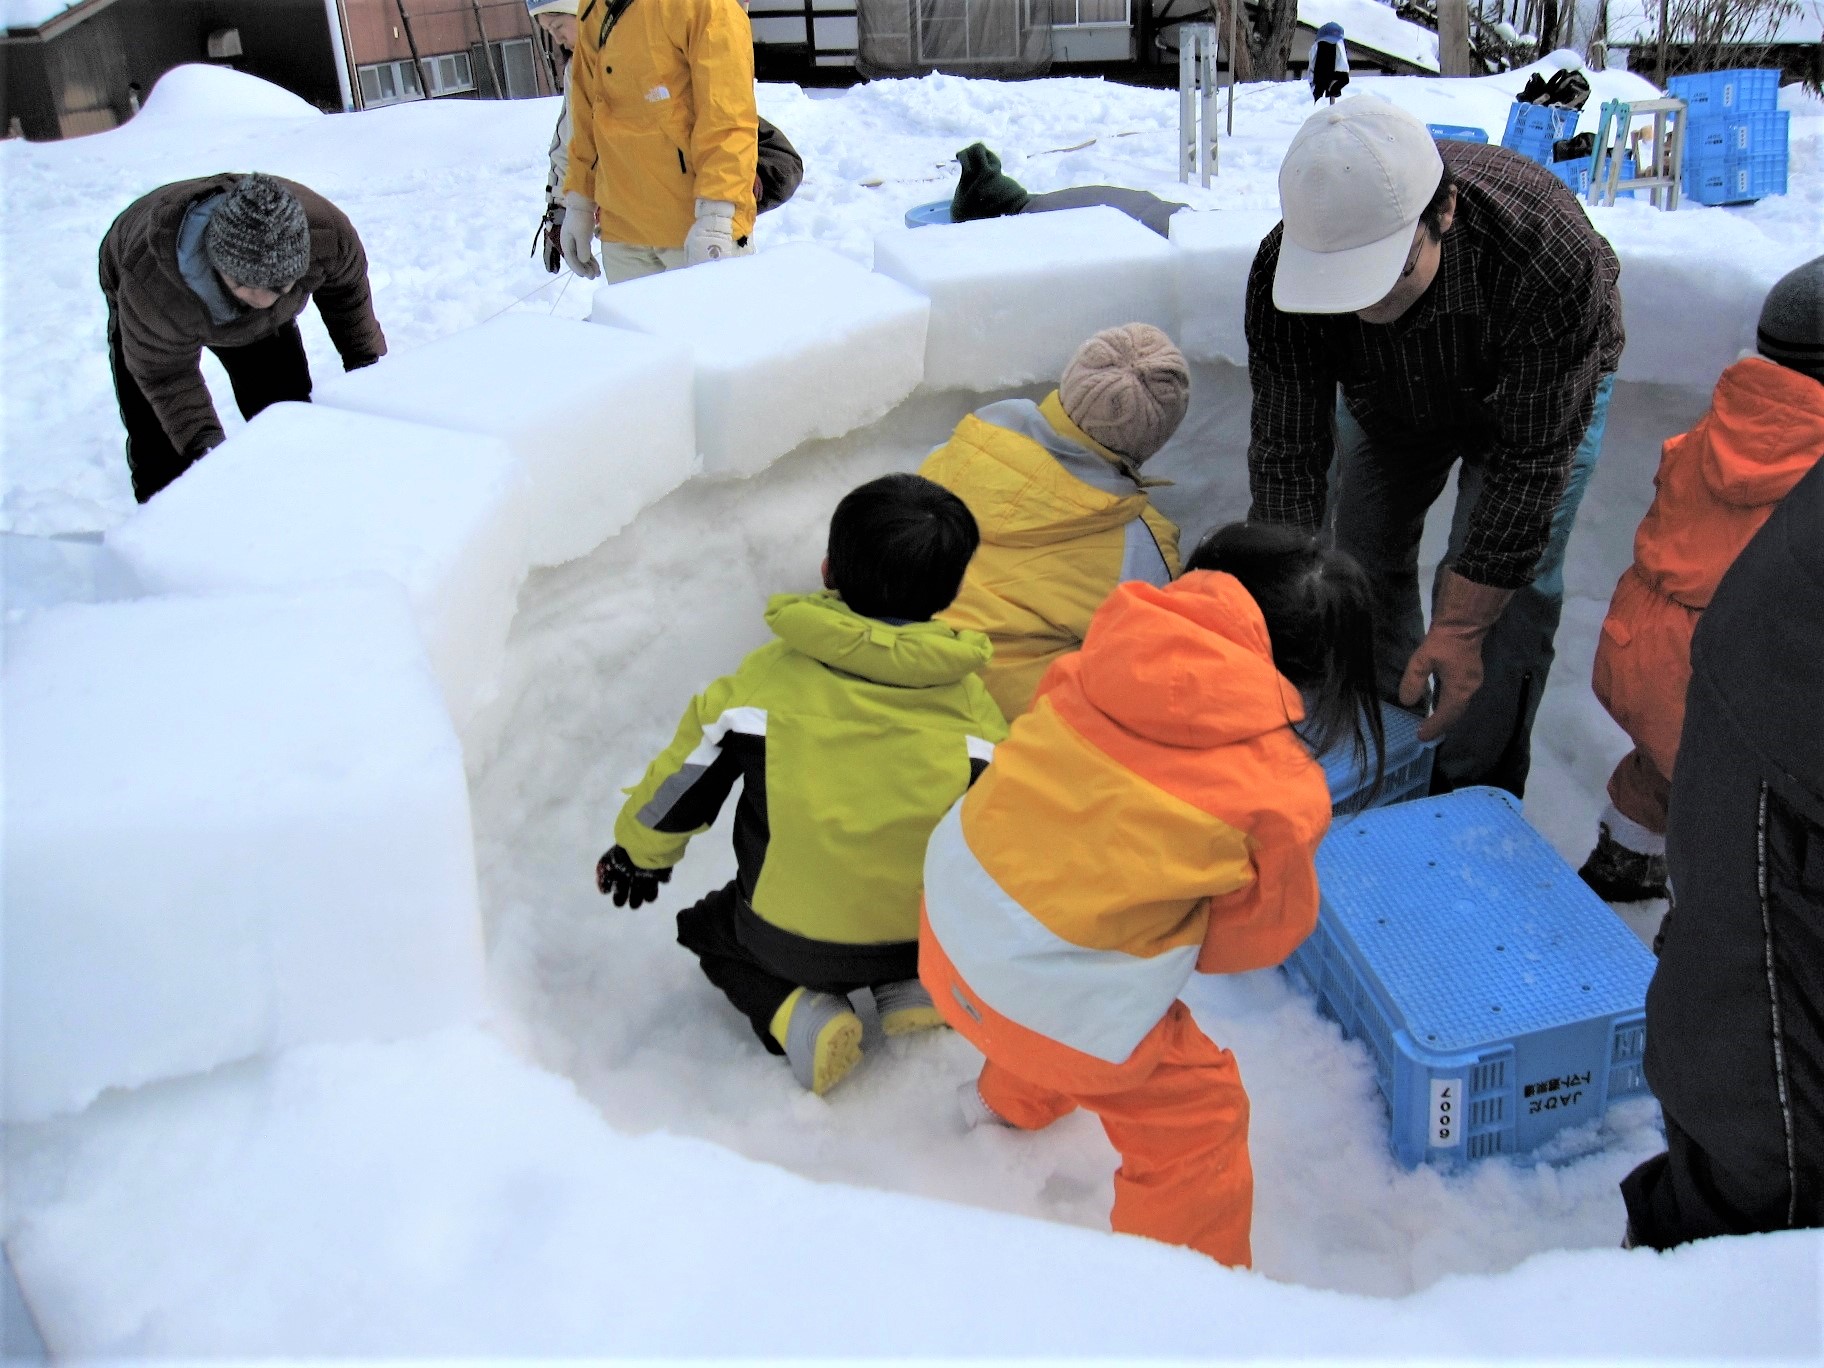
(603, 654)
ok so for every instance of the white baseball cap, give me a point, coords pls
(1351, 189)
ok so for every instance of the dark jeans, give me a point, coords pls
(757, 984)
(1378, 503)
(262, 373)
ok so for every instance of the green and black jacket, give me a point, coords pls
(851, 737)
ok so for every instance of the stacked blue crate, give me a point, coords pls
(1735, 138)
(1576, 175)
(1532, 129)
(1500, 1000)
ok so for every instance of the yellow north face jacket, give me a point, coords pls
(663, 115)
(1062, 524)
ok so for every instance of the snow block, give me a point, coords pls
(1012, 298)
(235, 824)
(767, 334)
(601, 418)
(1212, 252)
(306, 494)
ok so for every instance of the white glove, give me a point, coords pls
(577, 236)
(712, 236)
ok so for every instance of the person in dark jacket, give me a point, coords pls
(1328, 64)
(1735, 1012)
(225, 262)
(985, 191)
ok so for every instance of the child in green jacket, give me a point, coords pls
(852, 734)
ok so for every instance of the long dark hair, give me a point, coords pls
(1319, 610)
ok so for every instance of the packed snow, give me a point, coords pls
(613, 1165)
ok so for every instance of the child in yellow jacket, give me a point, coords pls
(1057, 490)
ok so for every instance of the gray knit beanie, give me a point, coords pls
(258, 234)
(1128, 387)
(1791, 331)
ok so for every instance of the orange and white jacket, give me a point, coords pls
(1153, 814)
(1716, 485)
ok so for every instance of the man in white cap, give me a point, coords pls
(1457, 298)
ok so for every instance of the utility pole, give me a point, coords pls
(424, 77)
(1453, 38)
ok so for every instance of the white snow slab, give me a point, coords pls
(41, 572)
(1713, 265)
(234, 823)
(769, 335)
(306, 494)
(1012, 298)
(602, 418)
(439, 1196)
(1213, 251)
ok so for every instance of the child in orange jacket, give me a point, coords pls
(1716, 485)
(1153, 814)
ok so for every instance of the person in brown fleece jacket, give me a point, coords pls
(225, 262)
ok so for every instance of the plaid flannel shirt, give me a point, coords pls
(1501, 356)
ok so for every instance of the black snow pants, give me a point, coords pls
(262, 373)
(1735, 1012)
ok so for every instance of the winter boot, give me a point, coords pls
(975, 1111)
(822, 1038)
(905, 1007)
(1618, 874)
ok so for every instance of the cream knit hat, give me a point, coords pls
(1128, 387)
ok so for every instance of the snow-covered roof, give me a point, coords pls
(1637, 21)
(1374, 27)
(34, 13)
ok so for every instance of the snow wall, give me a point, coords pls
(269, 906)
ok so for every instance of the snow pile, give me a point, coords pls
(524, 1225)
(1012, 297)
(202, 93)
(236, 824)
(600, 418)
(766, 333)
(306, 494)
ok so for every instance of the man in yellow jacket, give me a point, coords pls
(1057, 491)
(664, 136)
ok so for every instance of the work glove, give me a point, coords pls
(1452, 650)
(616, 873)
(712, 236)
(551, 236)
(576, 238)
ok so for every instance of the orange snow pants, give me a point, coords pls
(1181, 1132)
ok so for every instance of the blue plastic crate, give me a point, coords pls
(1736, 180)
(1532, 129)
(1501, 1000)
(1576, 175)
(1726, 92)
(1749, 134)
(923, 215)
(1408, 765)
(1457, 133)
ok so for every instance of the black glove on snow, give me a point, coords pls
(616, 873)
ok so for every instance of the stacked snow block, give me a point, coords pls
(601, 418)
(1736, 138)
(1500, 999)
(1012, 298)
(1532, 129)
(1213, 252)
(766, 334)
(236, 823)
(306, 494)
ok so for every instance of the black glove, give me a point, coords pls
(551, 238)
(616, 873)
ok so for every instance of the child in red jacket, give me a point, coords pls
(1716, 485)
